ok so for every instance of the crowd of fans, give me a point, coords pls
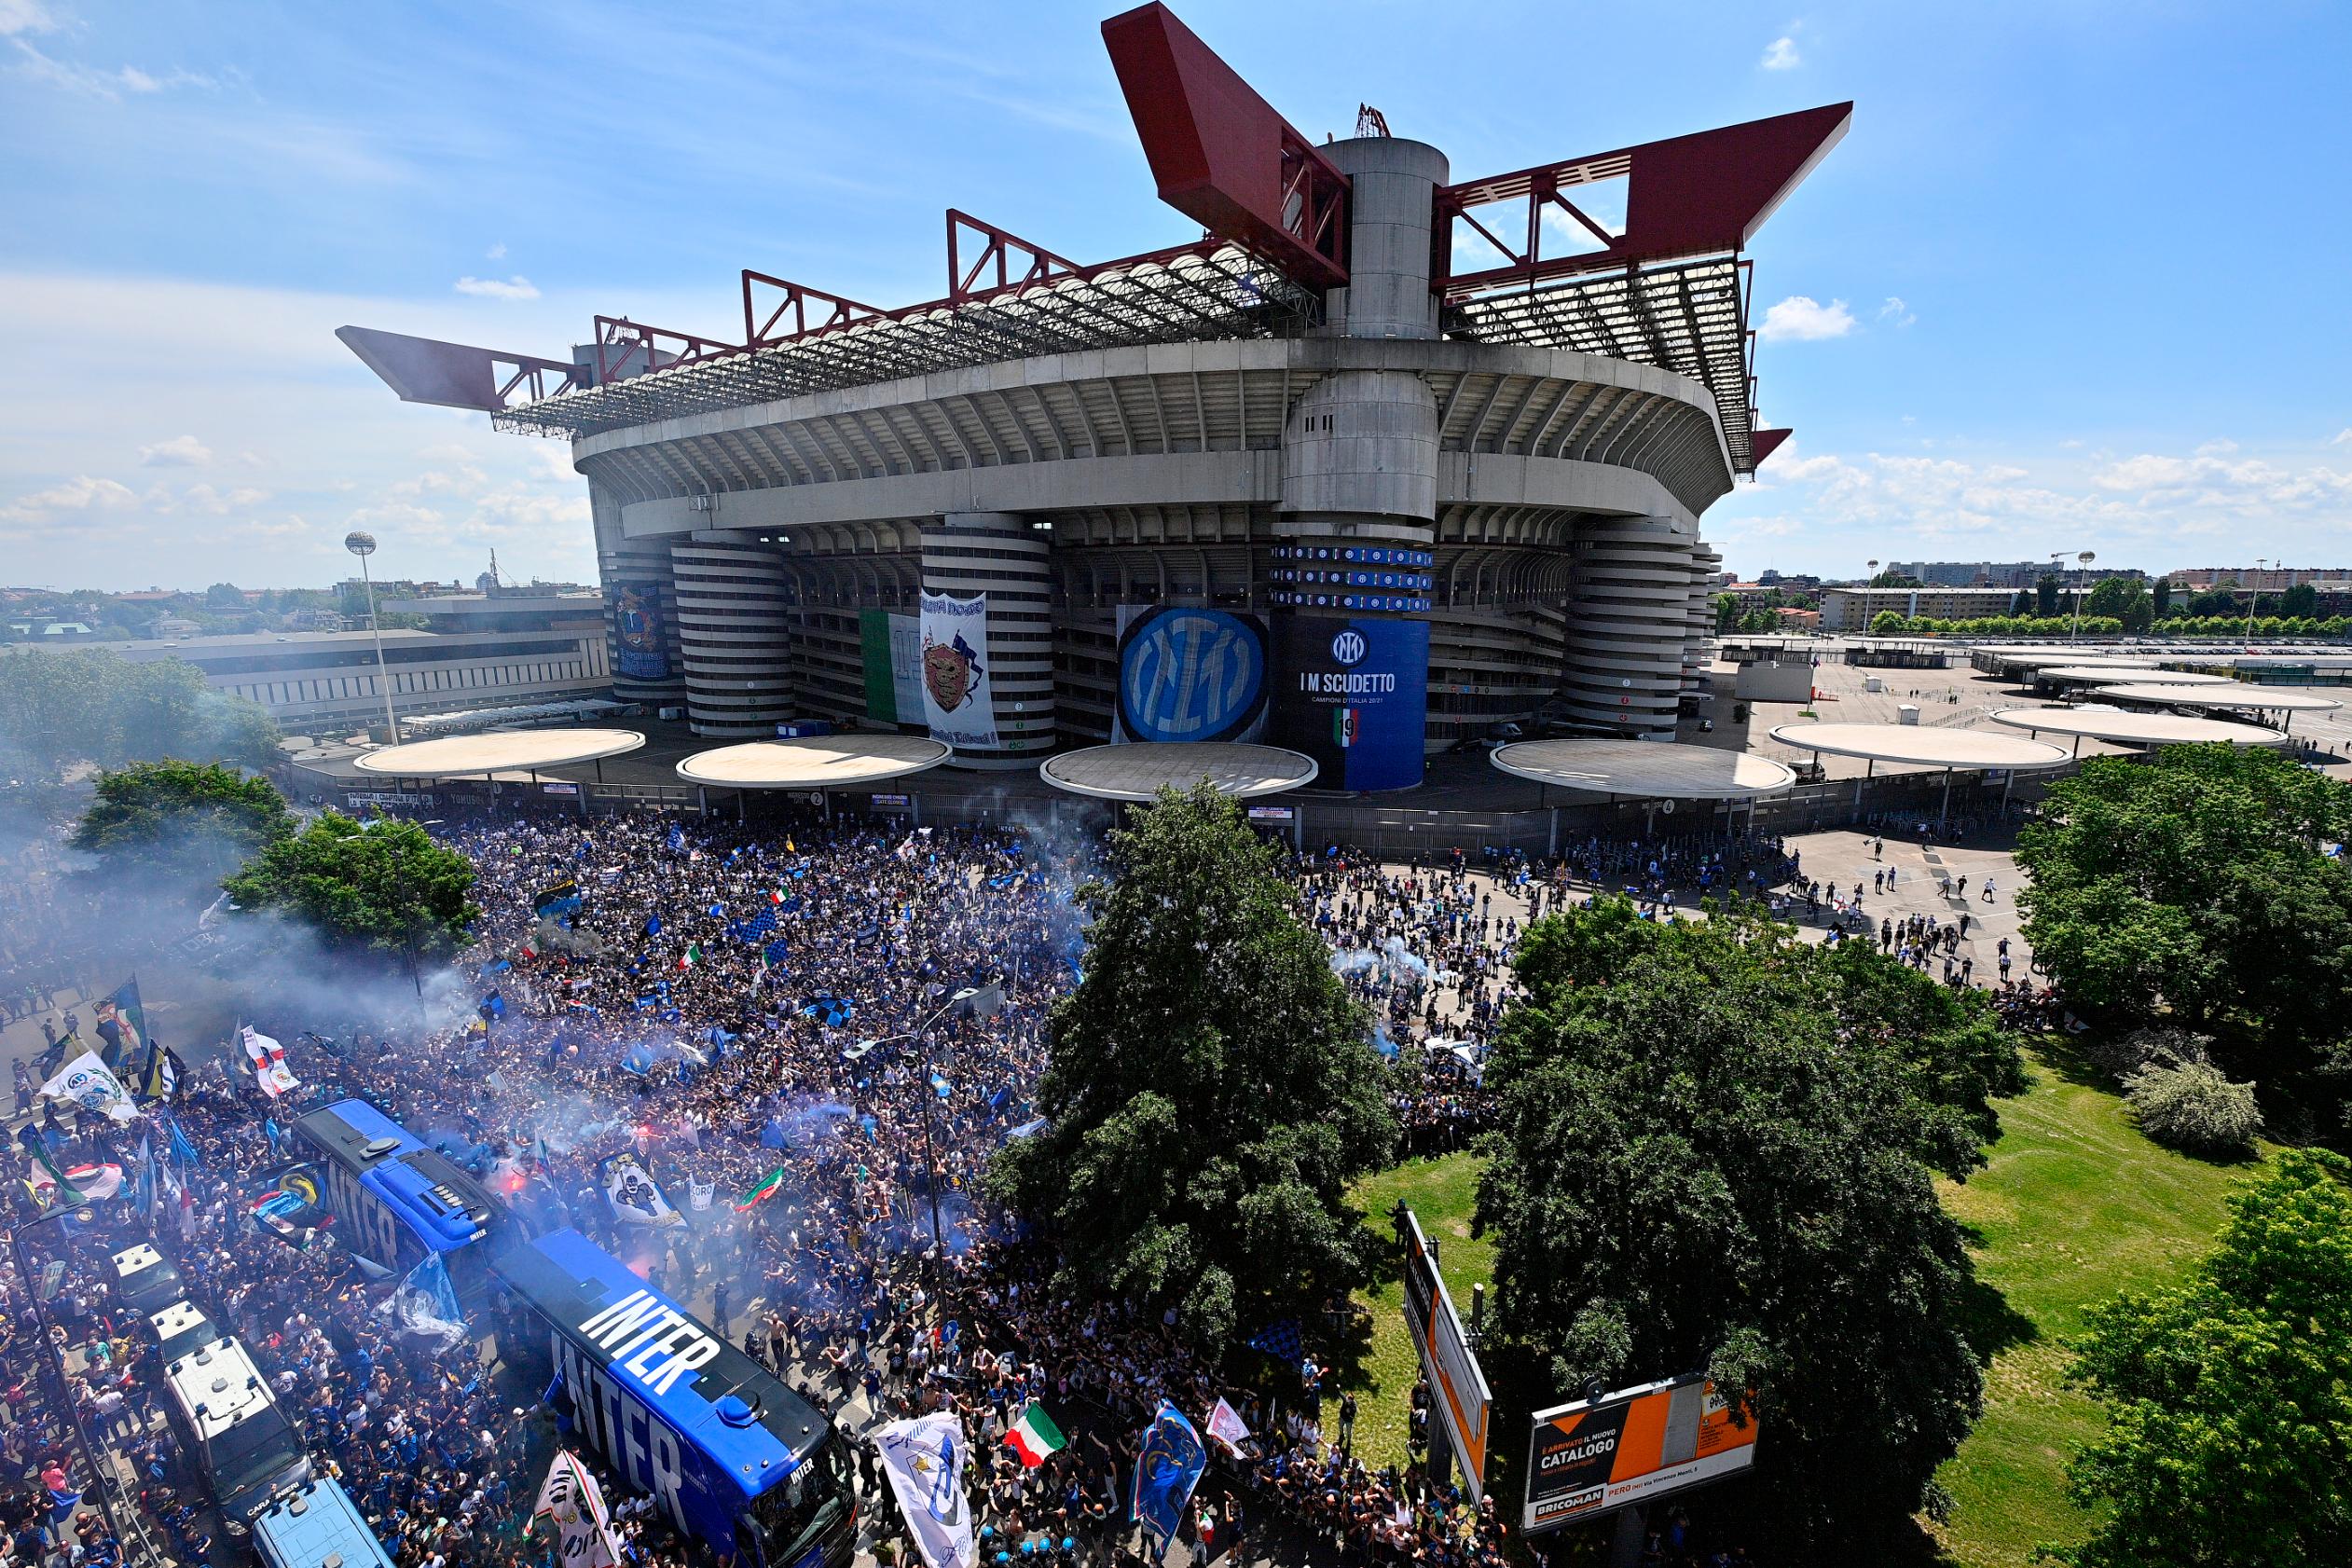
(860, 1012)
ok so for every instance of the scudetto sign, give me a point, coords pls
(1633, 1446)
(1354, 694)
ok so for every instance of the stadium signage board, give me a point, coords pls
(1465, 1404)
(1639, 1444)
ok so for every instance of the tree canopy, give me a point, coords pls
(2229, 1396)
(2192, 884)
(62, 706)
(180, 815)
(1209, 1086)
(1717, 1150)
(382, 885)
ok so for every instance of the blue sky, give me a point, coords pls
(2074, 281)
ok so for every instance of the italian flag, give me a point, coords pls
(1035, 1436)
(694, 956)
(761, 1193)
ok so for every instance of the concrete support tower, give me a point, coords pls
(1359, 498)
(734, 617)
(1627, 613)
(999, 554)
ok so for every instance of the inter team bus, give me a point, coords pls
(395, 1200)
(729, 1455)
(317, 1526)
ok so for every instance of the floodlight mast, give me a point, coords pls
(364, 545)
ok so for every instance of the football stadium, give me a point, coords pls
(1387, 459)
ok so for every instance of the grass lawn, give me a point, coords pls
(2075, 1206)
(1442, 1191)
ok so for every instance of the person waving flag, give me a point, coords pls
(1034, 1437)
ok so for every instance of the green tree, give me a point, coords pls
(2123, 599)
(1716, 1149)
(1727, 612)
(2303, 599)
(60, 707)
(2193, 883)
(382, 885)
(2045, 595)
(2229, 1396)
(2161, 596)
(224, 596)
(187, 816)
(1210, 1089)
(1889, 623)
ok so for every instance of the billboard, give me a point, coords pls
(641, 636)
(959, 701)
(1354, 694)
(1633, 1446)
(1459, 1386)
(1187, 674)
(1775, 680)
(891, 647)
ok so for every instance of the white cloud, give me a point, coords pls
(2341, 437)
(1781, 55)
(80, 493)
(1801, 319)
(496, 252)
(23, 16)
(181, 451)
(90, 81)
(1895, 310)
(517, 287)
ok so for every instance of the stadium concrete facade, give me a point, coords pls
(1306, 480)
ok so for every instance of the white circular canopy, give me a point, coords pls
(1923, 746)
(1140, 772)
(2188, 678)
(826, 761)
(2137, 729)
(462, 756)
(1644, 767)
(2096, 674)
(2245, 699)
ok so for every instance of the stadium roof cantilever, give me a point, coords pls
(1204, 291)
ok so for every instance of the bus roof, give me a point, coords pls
(569, 1279)
(317, 1527)
(357, 1136)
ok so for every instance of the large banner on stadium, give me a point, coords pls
(1354, 694)
(1633, 1446)
(959, 699)
(891, 647)
(1188, 674)
(640, 636)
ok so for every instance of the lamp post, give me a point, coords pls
(1868, 582)
(2082, 590)
(2254, 599)
(364, 545)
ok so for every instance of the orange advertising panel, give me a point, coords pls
(1633, 1446)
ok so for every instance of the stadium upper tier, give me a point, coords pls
(1380, 462)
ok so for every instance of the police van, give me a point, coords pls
(231, 1430)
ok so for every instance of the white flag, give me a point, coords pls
(925, 1461)
(268, 1059)
(1226, 1427)
(569, 1497)
(86, 1081)
(699, 1193)
(634, 1199)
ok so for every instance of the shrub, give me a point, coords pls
(2195, 1107)
(2159, 1045)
